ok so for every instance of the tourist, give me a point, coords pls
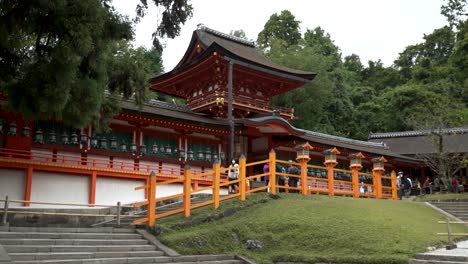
(293, 180)
(266, 169)
(233, 175)
(407, 185)
(281, 178)
(362, 188)
(457, 187)
(399, 182)
(427, 186)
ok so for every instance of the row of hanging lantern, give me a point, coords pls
(101, 142)
(13, 129)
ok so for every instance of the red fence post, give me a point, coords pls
(242, 172)
(272, 185)
(187, 192)
(152, 200)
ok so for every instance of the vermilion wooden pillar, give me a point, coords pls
(92, 188)
(28, 185)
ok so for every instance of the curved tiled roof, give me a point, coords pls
(245, 50)
(355, 142)
(455, 130)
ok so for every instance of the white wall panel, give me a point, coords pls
(59, 188)
(12, 183)
(109, 191)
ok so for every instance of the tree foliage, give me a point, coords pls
(174, 14)
(71, 61)
(350, 98)
(283, 27)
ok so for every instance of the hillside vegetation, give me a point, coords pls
(311, 229)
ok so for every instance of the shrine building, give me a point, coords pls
(228, 86)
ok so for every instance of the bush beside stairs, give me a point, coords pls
(105, 245)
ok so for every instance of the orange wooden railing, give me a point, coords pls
(241, 101)
(308, 185)
(77, 160)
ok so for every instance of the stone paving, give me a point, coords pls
(461, 250)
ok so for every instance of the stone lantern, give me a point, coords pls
(303, 156)
(330, 156)
(379, 164)
(356, 160)
(303, 151)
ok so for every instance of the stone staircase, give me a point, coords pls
(459, 255)
(31, 245)
(427, 258)
(458, 209)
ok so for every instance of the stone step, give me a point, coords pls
(424, 261)
(72, 248)
(454, 208)
(72, 230)
(29, 241)
(83, 255)
(453, 256)
(205, 259)
(69, 235)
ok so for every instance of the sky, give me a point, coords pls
(372, 29)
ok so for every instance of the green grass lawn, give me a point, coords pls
(313, 229)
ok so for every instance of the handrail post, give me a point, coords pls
(450, 245)
(187, 192)
(152, 200)
(355, 181)
(377, 183)
(304, 182)
(216, 180)
(5, 211)
(242, 170)
(272, 185)
(394, 187)
(118, 214)
(331, 179)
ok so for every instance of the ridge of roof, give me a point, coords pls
(453, 130)
(356, 142)
(226, 36)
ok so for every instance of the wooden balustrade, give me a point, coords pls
(307, 186)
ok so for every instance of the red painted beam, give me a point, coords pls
(92, 188)
(28, 185)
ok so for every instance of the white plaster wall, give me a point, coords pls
(109, 191)
(127, 163)
(12, 183)
(259, 144)
(42, 155)
(59, 188)
(101, 161)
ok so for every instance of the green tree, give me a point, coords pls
(282, 27)
(238, 33)
(353, 64)
(455, 11)
(58, 59)
(174, 13)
